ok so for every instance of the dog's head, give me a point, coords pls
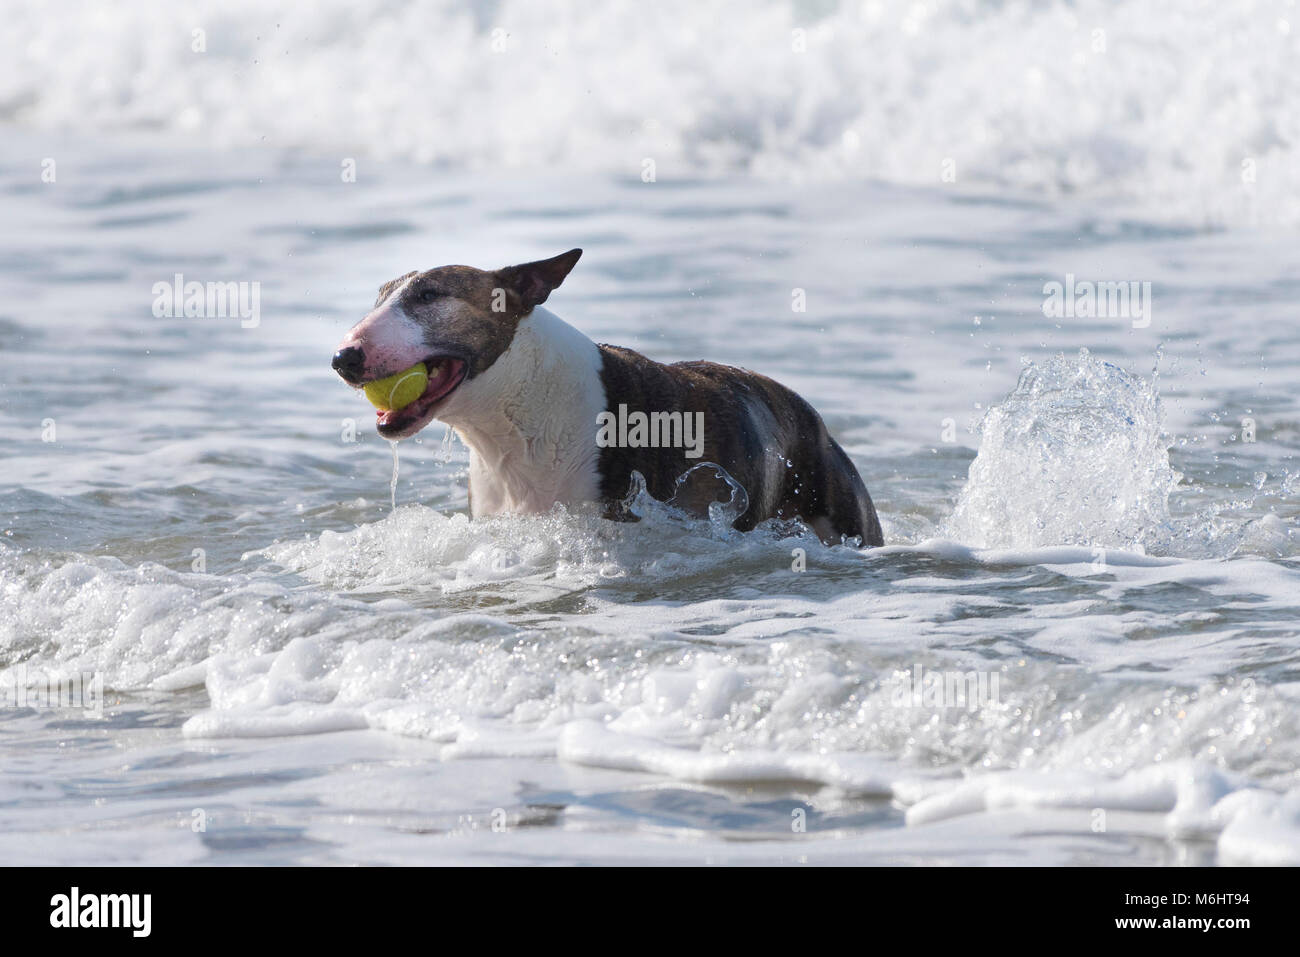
(457, 320)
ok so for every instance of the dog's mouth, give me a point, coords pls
(446, 373)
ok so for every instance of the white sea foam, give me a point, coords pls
(1196, 801)
(815, 711)
(1182, 112)
(751, 706)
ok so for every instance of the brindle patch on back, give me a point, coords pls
(767, 438)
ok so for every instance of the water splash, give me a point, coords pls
(1073, 456)
(392, 485)
(692, 485)
(721, 514)
(448, 448)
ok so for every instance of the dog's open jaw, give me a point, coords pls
(446, 373)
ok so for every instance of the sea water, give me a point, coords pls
(1078, 645)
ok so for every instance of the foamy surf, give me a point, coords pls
(1180, 114)
(733, 700)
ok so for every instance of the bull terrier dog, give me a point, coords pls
(550, 416)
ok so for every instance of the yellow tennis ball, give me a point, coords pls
(398, 390)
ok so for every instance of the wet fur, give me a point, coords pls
(767, 438)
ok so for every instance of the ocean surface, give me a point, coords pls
(282, 657)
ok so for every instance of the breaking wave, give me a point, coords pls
(1176, 111)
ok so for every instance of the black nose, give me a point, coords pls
(350, 363)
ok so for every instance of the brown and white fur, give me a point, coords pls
(525, 390)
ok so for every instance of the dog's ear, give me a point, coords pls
(533, 282)
(392, 284)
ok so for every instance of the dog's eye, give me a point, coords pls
(429, 295)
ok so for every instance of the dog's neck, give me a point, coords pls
(530, 420)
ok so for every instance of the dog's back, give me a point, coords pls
(767, 438)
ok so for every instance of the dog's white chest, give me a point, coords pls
(530, 421)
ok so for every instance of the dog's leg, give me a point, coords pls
(850, 511)
(827, 493)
